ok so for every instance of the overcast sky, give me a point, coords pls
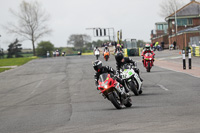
(136, 18)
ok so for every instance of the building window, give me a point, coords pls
(184, 21)
(160, 27)
(165, 28)
(190, 22)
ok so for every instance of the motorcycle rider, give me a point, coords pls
(121, 60)
(118, 48)
(147, 49)
(105, 50)
(99, 69)
(96, 49)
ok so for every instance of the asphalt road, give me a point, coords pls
(58, 95)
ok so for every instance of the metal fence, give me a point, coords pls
(194, 41)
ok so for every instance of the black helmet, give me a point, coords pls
(119, 57)
(97, 65)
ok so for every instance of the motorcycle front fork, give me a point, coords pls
(121, 90)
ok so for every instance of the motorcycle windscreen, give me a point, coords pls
(148, 54)
(125, 66)
(103, 77)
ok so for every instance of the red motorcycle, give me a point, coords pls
(111, 90)
(148, 61)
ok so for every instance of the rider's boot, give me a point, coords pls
(141, 79)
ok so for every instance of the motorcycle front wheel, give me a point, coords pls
(133, 88)
(114, 100)
(97, 57)
(148, 67)
(106, 58)
(129, 103)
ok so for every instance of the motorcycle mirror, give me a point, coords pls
(135, 64)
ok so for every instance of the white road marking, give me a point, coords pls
(162, 87)
(37, 86)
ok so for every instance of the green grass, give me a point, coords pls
(27, 55)
(4, 69)
(15, 61)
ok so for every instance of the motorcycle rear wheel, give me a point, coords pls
(114, 101)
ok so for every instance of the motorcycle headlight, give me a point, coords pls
(105, 86)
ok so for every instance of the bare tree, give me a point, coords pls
(31, 22)
(169, 6)
(79, 40)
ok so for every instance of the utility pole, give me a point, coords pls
(175, 19)
(176, 26)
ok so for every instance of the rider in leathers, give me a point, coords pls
(106, 50)
(147, 50)
(97, 65)
(121, 60)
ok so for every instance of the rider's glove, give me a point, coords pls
(116, 76)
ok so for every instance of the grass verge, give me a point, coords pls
(15, 61)
(4, 69)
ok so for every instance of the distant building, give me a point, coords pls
(160, 34)
(188, 26)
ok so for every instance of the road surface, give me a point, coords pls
(58, 95)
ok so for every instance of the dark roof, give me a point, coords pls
(191, 9)
(197, 28)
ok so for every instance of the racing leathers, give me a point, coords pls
(147, 51)
(119, 49)
(127, 60)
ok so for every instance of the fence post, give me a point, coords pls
(189, 59)
(183, 53)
